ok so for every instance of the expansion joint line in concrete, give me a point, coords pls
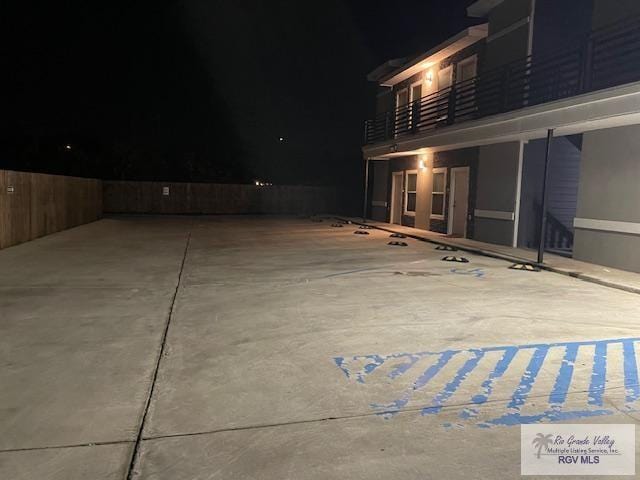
(65, 446)
(136, 448)
(355, 416)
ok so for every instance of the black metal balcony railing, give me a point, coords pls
(607, 57)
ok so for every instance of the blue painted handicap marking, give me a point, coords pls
(475, 272)
(429, 381)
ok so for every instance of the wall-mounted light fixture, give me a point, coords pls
(422, 165)
(429, 77)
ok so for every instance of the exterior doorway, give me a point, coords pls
(562, 193)
(459, 202)
(396, 198)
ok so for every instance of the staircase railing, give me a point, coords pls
(557, 236)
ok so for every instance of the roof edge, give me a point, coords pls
(482, 7)
(381, 70)
(478, 32)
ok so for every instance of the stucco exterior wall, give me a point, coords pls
(606, 12)
(379, 201)
(609, 190)
(513, 44)
(498, 172)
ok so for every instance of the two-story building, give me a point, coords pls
(459, 141)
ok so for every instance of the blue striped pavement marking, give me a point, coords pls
(598, 377)
(428, 381)
(497, 372)
(563, 380)
(630, 372)
(450, 388)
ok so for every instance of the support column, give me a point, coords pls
(366, 190)
(543, 214)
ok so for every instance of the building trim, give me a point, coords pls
(607, 225)
(494, 214)
(509, 29)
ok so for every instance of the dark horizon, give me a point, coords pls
(200, 92)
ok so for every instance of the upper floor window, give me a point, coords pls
(402, 98)
(444, 78)
(402, 113)
(444, 82)
(414, 99)
(416, 91)
(466, 88)
(410, 192)
(466, 69)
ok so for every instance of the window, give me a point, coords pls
(416, 91)
(444, 84)
(411, 182)
(402, 112)
(414, 100)
(466, 86)
(466, 69)
(444, 78)
(438, 193)
(402, 98)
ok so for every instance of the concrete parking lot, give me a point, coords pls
(281, 348)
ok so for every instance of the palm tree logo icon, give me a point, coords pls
(542, 441)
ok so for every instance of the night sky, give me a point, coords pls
(203, 90)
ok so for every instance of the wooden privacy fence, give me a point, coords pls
(33, 204)
(215, 198)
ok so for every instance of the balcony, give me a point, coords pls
(605, 58)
